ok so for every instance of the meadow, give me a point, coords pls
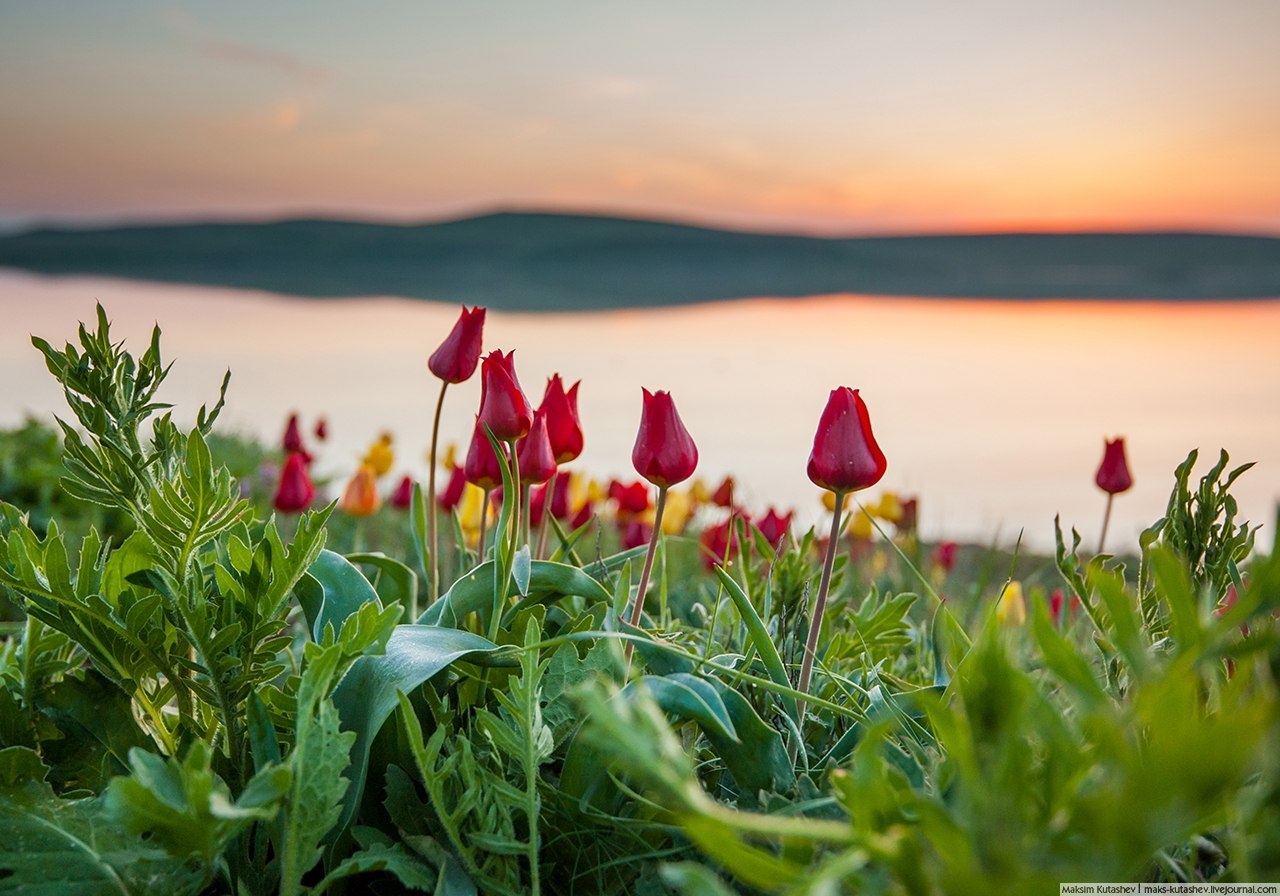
(213, 680)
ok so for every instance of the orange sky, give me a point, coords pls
(837, 118)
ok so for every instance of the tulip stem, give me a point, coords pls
(433, 535)
(517, 518)
(819, 608)
(1106, 521)
(526, 511)
(547, 498)
(484, 524)
(648, 568)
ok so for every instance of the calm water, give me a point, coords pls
(993, 412)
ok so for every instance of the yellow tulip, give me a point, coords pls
(469, 510)
(675, 516)
(1012, 608)
(360, 498)
(699, 491)
(596, 492)
(450, 455)
(889, 508)
(380, 457)
(829, 501)
(860, 526)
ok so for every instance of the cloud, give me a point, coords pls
(223, 49)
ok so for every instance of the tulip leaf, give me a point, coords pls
(521, 570)
(370, 690)
(473, 593)
(332, 590)
(760, 639)
(394, 583)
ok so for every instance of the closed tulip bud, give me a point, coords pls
(322, 429)
(845, 456)
(560, 497)
(1113, 473)
(636, 533)
(456, 358)
(402, 497)
(380, 456)
(910, 518)
(944, 555)
(664, 452)
(503, 405)
(534, 455)
(294, 493)
(774, 527)
(563, 426)
(633, 498)
(292, 441)
(1055, 606)
(482, 467)
(537, 505)
(360, 498)
(723, 495)
(1012, 608)
(452, 494)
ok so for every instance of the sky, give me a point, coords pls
(862, 116)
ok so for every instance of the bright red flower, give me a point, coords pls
(503, 405)
(723, 495)
(402, 497)
(456, 358)
(482, 467)
(295, 492)
(719, 542)
(845, 456)
(633, 498)
(563, 425)
(322, 429)
(944, 555)
(1055, 606)
(582, 517)
(537, 505)
(774, 527)
(910, 515)
(560, 498)
(292, 441)
(534, 455)
(1113, 473)
(451, 497)
(664, 452)
(636, 533)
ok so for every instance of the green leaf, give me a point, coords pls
(395, 583)
(759, 636)
(331, 591)
(473, 593)
(369, 692)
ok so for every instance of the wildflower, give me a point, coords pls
(719, 543)
(636, 533)
(402, 497)
(944, 555)
(664, 452)
(503, 405)
(633, 498)
(292, 442)
(456, 358)
(861, 526)
(723, 495)
(452, 493)
(678, 511)
(380, 456)
(322, 429)
(845, 456)
(910, 515)
(360, 498)
(1012, 608)
(774, 527)
(1056, 600)
(561, 494)
(888, 508)
(295, 492)
(1113, 473)
(699, 491)
(563, 425)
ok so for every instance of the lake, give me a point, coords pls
(993, 412)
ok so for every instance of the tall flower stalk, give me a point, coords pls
(845, 458)
(1113, 477)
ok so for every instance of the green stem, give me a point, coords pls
(484, 524)
(1106, 521)
(432, 534)
(819, 608)
(638, 608)
(526, 511)
(546, 512)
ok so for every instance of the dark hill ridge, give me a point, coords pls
(531, 261)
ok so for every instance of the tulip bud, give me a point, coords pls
(402, 497)
(774, 527)
(678, 511)
(633, 498)
(534, 454)
(1113, 473)
(723, 495)
(719, 543)
(322, 429)
(560, 497)
(295, 492)
(910, 518)
(452, 494)
(380, 456)
(664, 452)
(456, 358)
(503, 405)
(845, 456)
(636, 533)
(1055, 606)
(482, 467)
(944, 555)
(361, 495)
(1012, 608)
(292, 442)
(563, 426)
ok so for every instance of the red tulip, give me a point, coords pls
(1055, 606)
(534, 455)
(456, 358)
(845, 456)
(723, 495)
(636, 533)
(402, 497)
(719, 542)
(633, 498)
(451, 497)
(503, 405)
(944, 555)
(1113, 473)
(582, 517)
(910, 515)
(774, 527)
(322, 429)
(560, 497)
(537, 505)
(292, 442)
(482, 467)
(563, 426)
(664, 452)
(295, 492)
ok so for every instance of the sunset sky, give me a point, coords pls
(828, 117)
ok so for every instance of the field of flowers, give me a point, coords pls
(514, 678)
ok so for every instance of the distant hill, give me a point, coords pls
(530, 261)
